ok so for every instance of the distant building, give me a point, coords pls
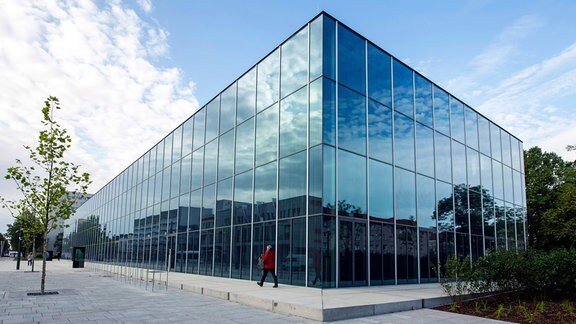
(358, 169)
(54, 237)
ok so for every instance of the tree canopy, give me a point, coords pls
(550, 197)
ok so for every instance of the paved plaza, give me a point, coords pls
(90, 296)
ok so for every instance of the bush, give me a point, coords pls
(543, 274)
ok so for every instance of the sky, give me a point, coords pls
(129, 72)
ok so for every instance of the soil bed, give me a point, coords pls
(517, 308)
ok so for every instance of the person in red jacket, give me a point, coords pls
(269, 266)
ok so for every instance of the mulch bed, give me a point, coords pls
(518, 308)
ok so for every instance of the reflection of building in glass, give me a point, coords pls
(359, 170)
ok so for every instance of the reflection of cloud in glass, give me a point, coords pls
(292, 176)
(423, 103)
(294, 62)
(268, 79)
(351, 121)
(266, 135)
(244, 145)
(380, 131)
(293, 122)
(441, 111)
(404, 141)
(246, 96)
(226, 155)
(228, 108)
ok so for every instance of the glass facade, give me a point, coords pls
(359, 170)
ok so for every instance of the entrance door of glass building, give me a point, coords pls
(353, 262)
(170, 251)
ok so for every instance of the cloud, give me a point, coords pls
(505, 46)
(99, 62)
(534, 102)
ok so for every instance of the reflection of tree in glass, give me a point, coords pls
(457, 205)
(347, 209)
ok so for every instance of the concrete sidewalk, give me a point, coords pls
(94, 295)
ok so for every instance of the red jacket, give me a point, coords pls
(269, 259)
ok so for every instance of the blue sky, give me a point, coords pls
(128, 72)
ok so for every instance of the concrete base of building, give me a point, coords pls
(312, 303)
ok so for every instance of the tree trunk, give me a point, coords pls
(43, 281)
(33, 252)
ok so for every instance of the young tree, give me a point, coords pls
(46, 185)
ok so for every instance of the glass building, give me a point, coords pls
(358, 169)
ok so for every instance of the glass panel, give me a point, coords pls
(208, 206)
(486, 174)
(206, 252)
(241, 241)
(426, 203)
(329, 184)
(224, 203)
(506, 152)
(268, 80)
(406, 254)
(246, 96)
(508, 186)
(292, 186)
(405, 193)
(352, 191)
(515, 148)
(222, 252)
(315, 118)
(351, 121)
(329, 47)
(187, 132)
(441, 111)
(228, 108)
(212, 117)
(210, 154)
(265, 193)
(351, 59)
(489, 222)
(293, 113)
(517, 188)
(443, 158)
(497, 178)
(226, 156)
(445, 220)
(472, 159)
(197, 169)
(475, 212)
(403, 89)
(471, 127)
(294, 65)
(379, 81)
(199, 127)
(484, 135)
(424, 150)
(495, 137)
(167, 150)
(379, 132)
(457, 119)
(458, 163)
(177, 145)
(461, 208)
(267, 135)
(245, 146)
(329, 112)
(403, 141)
(315, 181)
(243, 198)
(381, 193)
(316, 48)
(500, 213)
(175, 181)
(423, 104)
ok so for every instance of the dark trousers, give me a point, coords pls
(265, 273)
